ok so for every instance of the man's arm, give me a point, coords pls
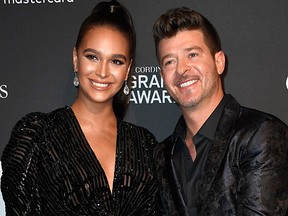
(263, 184)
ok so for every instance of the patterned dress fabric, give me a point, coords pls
(50, 169)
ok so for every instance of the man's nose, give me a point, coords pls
(182, 66)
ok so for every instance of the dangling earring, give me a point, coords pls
(126, 88)
(76, 80)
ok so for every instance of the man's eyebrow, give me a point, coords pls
(169, 55)
(188, 49)
(193, 48)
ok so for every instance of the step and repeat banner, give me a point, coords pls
(37, 39)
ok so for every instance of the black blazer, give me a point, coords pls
(246, 172)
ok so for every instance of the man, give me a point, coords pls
(222, 158)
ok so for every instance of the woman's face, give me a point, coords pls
(103, 63)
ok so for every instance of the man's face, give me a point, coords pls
(190, 73)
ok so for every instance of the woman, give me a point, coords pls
(84, 159)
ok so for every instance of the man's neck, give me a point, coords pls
(196, 116)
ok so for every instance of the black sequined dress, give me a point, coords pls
(50, 169)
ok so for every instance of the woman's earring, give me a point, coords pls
(76, 80)
(126, 88)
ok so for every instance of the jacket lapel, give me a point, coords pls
(219, 148)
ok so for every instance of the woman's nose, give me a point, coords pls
(102, 71)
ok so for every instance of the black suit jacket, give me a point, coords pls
(246, 172)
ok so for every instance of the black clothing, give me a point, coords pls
(189, 172)
(50, 169)
(245, 172)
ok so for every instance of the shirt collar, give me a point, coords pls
(208, 129)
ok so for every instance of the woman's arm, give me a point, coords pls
(19, 162)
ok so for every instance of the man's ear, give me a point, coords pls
(220, 62)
